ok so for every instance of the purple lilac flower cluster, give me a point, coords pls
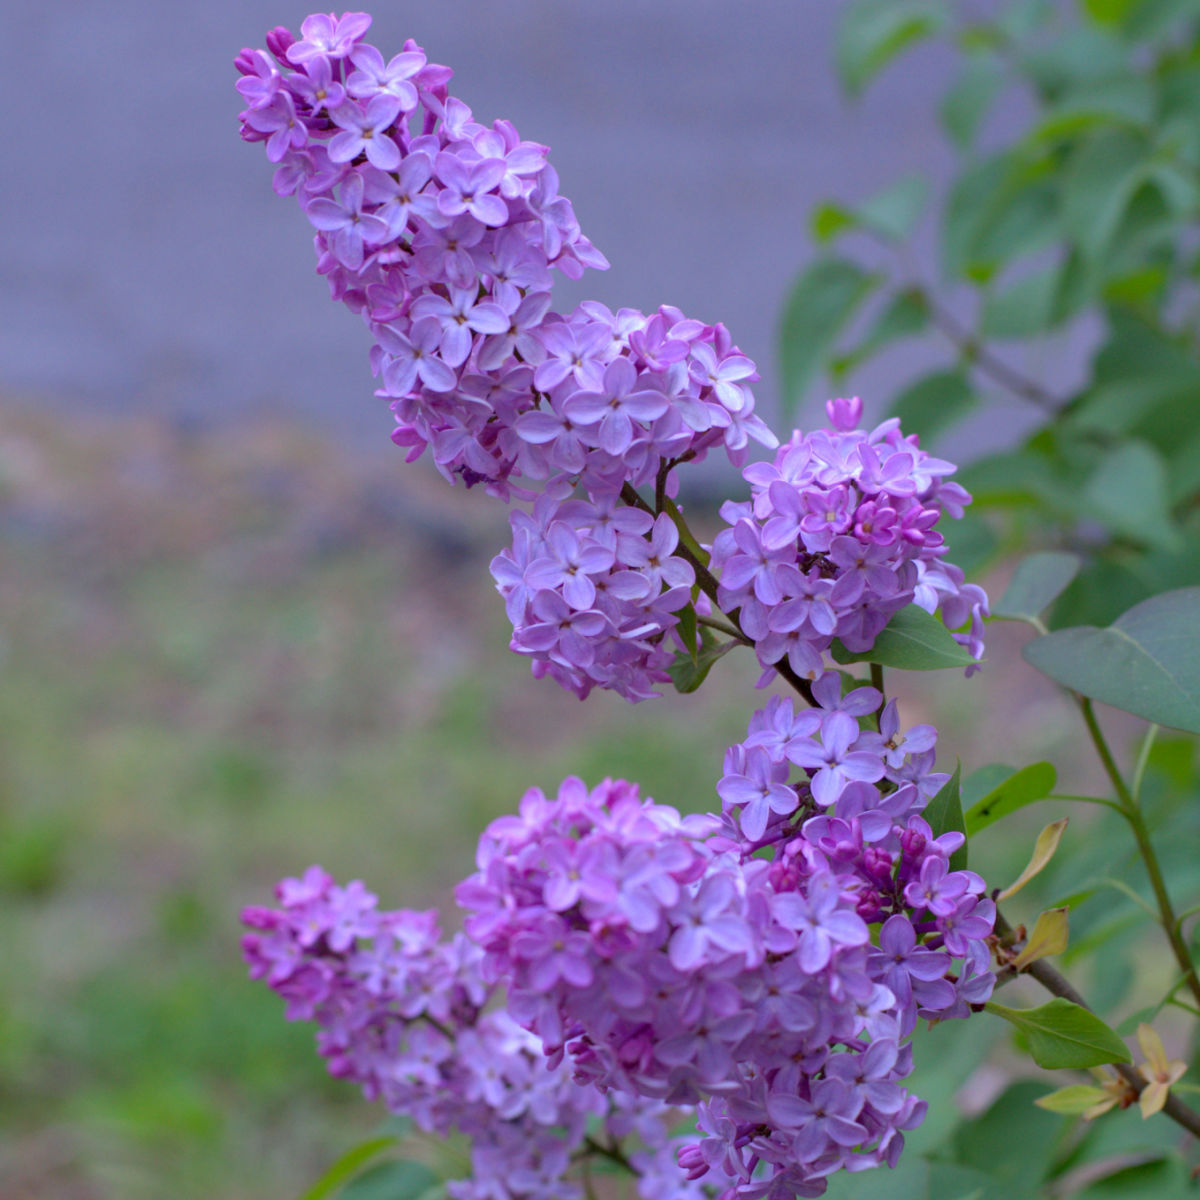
(405, 1013)
(441, 233)
(765, 967)
(838, 536)
(662, 957)
(592, 588)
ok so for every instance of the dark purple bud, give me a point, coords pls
(691, 1162)
(278, 41)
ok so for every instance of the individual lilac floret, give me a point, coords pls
(839, 535)
(406, 1014)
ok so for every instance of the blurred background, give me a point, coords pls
(238, 635)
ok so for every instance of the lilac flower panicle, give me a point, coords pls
(761, 969)
(407, 1014)
(650, 962)
(441, 233)
(839, 535)
(665, 957)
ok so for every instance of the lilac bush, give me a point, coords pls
(761, 968)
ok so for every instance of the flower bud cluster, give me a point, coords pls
(838, 536)
(442, 232)
(662, 957)
(405, 1013)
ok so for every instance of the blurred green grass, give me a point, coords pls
(225, 656)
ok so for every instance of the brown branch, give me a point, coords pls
(1057, 984)
(974, 351)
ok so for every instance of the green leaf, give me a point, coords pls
(1058, 64)
(1128, 492)
(1163, 1179)
(969, 97)
(688, 671)
(873, 32)
(830, 219)
(999, 210)
(912, 641)
(1063, 1035)
(1100, 593)
(1025, 308)
(687, 632)
(967, 207)
(983, 780)
(1036, 583)
(1146, 663)
(1109, 12)
(1023, 787)
(916, 1179)
(1072, 1100)
(824, 298)
(347, 1167)
(402, 1180)
(934, 402)
(905, 314)
(1023, 219)
(1044, 850)
(944, 814)
(1138, 371)
(1098, 185)
(972, 541)
(1050, 934)
(893, 212)
(1125, 99)
(1011, 1121)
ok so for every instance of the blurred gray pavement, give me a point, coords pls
(147, 264)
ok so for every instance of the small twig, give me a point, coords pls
(612, 1153)
(1057, 984)
(1137, 824)
(723, 627)
(708, 585)
(1143, 760)
(974, 351)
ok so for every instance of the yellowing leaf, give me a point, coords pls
(1043, 852)
(1077, 1098)
(1049, 937)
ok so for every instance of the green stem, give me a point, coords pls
(1087, 800)
(1187, 912)
(722, 627)
(612, 1153)
(1143, 758)
(1109, 763)
(689, 550)
(1141, 835)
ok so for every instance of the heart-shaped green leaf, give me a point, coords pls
(1062, 1035)
(912, 641)
(944, 814)
(1020, 788)
(1036, 583)
(1146, 663)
